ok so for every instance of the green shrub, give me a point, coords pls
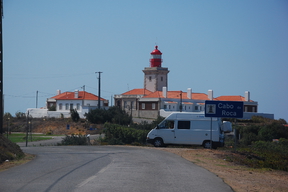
(74, 140)
(74, 115)
(116, 134)
(264, 154)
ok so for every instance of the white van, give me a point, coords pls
(189, 129)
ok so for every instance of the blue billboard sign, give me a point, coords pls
(228, 109)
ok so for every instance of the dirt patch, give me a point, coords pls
(239, 177)
(9, 164)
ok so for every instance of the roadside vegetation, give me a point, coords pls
(263, 143)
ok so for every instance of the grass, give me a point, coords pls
(21, 137)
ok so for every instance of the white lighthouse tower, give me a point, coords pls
(155, 76)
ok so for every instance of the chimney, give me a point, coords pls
(164, 92)
(247, 96)
(210, 94)
(76, 93)
(189, 93)
(58, 92)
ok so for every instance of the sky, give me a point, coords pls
(227, 46)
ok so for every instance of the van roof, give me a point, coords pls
(188, 116)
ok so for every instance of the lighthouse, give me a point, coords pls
(155, 76)
(156, 58)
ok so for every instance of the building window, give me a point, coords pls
(165, 106)
(78, 106)
(71, 106)
(150, 78)
(153, 106)
(143, 105)
(161, 78)
(66, 106)
(60, 106)
(196, 108)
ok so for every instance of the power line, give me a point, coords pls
(41, 76)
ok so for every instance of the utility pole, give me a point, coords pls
(1, 72)
(99, 84)
(27, 128)
(180, 107)
(36, 99)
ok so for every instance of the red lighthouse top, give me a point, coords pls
(156, 51)
(156, 59)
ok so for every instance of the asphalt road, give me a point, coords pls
(107, 168)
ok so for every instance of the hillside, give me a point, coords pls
(9, 150)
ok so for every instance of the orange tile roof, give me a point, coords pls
(81, 95)
(170, 102)
(230, 98)
(176, 95)
(137, 92)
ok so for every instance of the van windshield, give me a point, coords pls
(166, 124)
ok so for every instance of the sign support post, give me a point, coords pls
(211, 134)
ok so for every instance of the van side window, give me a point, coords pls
(183, 124)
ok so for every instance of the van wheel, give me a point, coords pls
(158, 142)
(207, 145)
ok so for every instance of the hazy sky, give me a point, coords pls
(227, 46)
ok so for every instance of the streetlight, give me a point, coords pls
(180, 107)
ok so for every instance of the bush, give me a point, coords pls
(269, 155)
(116, 134)
(272, 129)
(74, 140)
(74, 115)
(112, 115)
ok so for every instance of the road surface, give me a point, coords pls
(107, 168)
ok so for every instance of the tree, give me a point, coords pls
(74, 115)
(112, 115)
(52, 108)
(7, 116)
(20, 115)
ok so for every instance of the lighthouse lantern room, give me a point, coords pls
(156, 59)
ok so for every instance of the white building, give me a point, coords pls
(61, 104)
